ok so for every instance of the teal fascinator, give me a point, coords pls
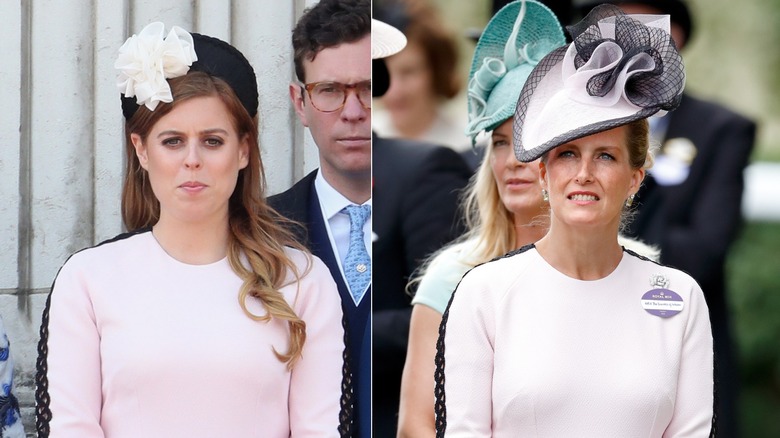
(515, 39)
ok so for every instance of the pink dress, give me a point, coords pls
(530, 352)
(139, 344)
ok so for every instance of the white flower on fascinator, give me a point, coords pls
(146, 60)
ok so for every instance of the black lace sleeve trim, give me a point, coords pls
(714, 426)
(440, 407)
(43, 413)
(347, 401)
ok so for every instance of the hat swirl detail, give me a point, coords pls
(494, 69)
(513, 42)
(624, 58)
(618, 69)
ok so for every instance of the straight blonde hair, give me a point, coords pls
(490, 230)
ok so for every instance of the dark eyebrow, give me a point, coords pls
(214, 131)
(168, 132)
(204, 132)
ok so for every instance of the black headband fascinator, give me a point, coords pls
(147, 60)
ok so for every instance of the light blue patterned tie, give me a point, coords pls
(357, 264)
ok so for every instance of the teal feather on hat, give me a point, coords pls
(515, 39)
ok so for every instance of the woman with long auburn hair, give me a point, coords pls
(207, 318)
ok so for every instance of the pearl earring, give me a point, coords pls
(545, 195)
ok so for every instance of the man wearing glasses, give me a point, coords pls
(332, 97)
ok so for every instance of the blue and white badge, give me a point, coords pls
(661, 301)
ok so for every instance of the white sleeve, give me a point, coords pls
(315, 383)
(693, 407)
(468, 360)
(70, 349)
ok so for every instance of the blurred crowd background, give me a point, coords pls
(732, 58)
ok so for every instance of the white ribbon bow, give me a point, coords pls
(146, 60)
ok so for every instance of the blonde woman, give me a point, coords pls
(206, 320)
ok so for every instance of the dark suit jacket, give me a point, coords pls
(415, 199)
(301, 203)
(474, 156)
(696, 222)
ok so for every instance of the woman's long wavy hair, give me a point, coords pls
(489, 224)
(257, 236)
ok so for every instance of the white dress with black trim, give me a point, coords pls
(137, 344)
(525, 350)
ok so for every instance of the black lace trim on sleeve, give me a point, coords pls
(42, 411)
(440, 407)
(347, 402)
(43, 414)
(714, 427)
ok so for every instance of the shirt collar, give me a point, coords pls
(331, 201)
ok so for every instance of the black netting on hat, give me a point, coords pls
(659, 88)
(219, 59)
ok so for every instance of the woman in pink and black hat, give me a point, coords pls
(575, 335)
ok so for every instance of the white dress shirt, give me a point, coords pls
(332, 204)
